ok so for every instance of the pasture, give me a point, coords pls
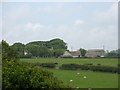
(60, 61)
(92, 80)
(79, 78)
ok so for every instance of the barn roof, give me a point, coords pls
(66, 53)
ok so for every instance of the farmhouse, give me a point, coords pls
(73, 54)
(95, 53)
(66, 53)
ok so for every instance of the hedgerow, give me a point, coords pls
(46, 65)
(91, 67)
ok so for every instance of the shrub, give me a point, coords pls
(47, 65)
(98, 64)
(118, 65)
(55, 63)
(17, 75)
(69, 66)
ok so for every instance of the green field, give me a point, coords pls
(60, 61)
(93, 80)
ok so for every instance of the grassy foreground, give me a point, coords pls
(60, 61)
(92, 80)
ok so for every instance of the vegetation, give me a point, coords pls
(66, 57)
(24, 74)
(52, 48)
(36, 50)
(54, 43)
(92, 80)
(83, 52)
(19, 48)
(20, 75)
(113, 53)
(113, 62)
(46, 65)
(87, 66)
(8, 52)
(90, 67)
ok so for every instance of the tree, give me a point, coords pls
(8, 52)
(83, 51)
(54, 43)
(113, 53)
(36, 50)
(58, 52)
(19, 47)
(57, 44)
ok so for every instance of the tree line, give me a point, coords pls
(113, 53)
(52, 48)
(48, 49)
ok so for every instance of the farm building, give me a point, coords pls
(73, 54)
(66, 53)
(95, 53)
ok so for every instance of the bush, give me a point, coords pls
(69, 66)
(18, 75)
(118, 65)
(98, 64)
(47, 65)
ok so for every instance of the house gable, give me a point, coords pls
(95, 53)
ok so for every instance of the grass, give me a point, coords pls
(60, 61)
(93, 80)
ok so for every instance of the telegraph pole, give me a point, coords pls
(103, 47)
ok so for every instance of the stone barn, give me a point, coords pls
(95, 53)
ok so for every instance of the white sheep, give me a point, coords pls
(71, 80)
(84, 77)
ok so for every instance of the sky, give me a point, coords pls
(88, 25)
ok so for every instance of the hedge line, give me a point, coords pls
(47, 65)
(88, 66)
(91, 67)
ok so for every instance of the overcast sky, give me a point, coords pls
(88, 25)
